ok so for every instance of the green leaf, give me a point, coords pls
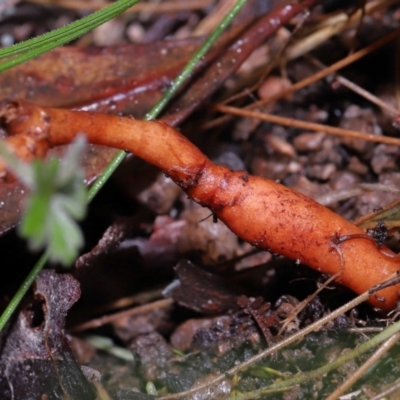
(33, 220)
(58, 197)
(65, 237)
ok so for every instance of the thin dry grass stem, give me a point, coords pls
(313, 78)
(296, 311)
(309, 298)
(212, 20)
(276, 59)
(156, 7)
(332, 26)
(127, 302)
(330, 70)
(369, 8)
(334, 196)
(277, 347)
(385, 394)
(380, 186)
(374, 216)
(355, 376)
(388, 224)
(295, 123)
(344, 194)
(358, 89)
(366, 329)
(145, 308)
(350, 59)
(362, 6)
(367, 95)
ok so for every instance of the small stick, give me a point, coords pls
(312, 126)
(143, 309)
(358, 89)
(392, 389)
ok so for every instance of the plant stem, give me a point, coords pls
(117, 160)
(184, 75)
(5, 316)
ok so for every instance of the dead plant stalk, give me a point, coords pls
(312, 126)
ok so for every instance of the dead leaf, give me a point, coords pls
(36, 359)
(202, 291)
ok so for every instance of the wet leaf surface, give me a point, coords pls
(131, 76)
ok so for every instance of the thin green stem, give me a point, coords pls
(106, 174)
(5, 316)
(184, 75)
(36, 46)
(117, 160)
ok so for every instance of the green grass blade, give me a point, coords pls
(34, 47)
(13, 304)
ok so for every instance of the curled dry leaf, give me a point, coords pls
(264, 213)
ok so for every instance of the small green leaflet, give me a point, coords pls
(57, 199)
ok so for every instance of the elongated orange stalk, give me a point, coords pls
(260, 211)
